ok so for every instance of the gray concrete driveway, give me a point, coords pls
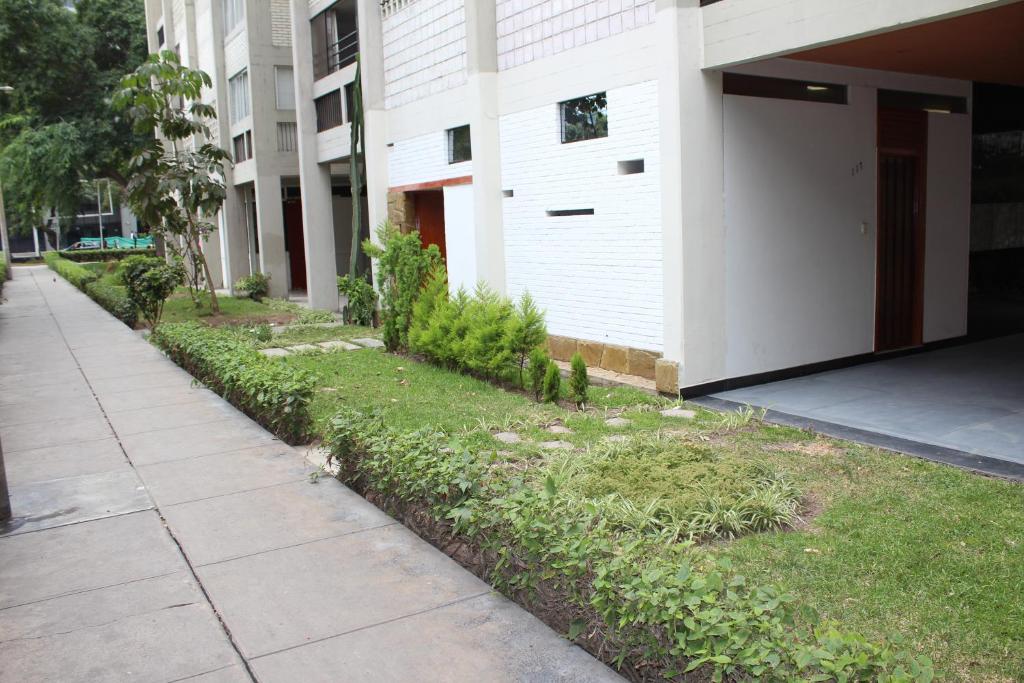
(967, 398)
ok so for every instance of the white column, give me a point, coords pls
(317, 212)
(482, 73)
(371, 56)
(270, 226)
(692, 197)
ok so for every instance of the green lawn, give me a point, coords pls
(887, 544)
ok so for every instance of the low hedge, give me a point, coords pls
(660, 608)
(112, 297)
(271, 393)
(3, 271)
(115, 299)
(88, 255)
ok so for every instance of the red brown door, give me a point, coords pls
(430, 219)
(899, 273)
(295, 242)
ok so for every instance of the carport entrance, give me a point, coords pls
(967, 398)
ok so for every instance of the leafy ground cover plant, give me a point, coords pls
(648, 602)
(362, 300)
(93, 255)
(255, 286)
(272, 393)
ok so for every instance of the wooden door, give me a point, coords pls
(295, 242)
(899, 273)
(430, 219)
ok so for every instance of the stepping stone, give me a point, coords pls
(337, 344)
(304, 347)
(274, 353)
(679, 412)
(618, 422)
(555, 445)
(507, 437)
(370, 343)
(617, 438)
(559, 429)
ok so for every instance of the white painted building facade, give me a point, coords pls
(726, 224)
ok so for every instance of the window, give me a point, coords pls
(242, 146)
(234, 12)
(287, 136)
(160, 40)
(584, 118)
(335, 38)
(783, 89)
(459, 147)
(284, 85)
(238, 92)
(328, 111)
(938, 104)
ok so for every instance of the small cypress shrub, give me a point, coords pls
(578, 381)
(538, 366)
(552, 383)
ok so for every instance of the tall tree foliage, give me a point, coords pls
(176, 177)
(57, 127)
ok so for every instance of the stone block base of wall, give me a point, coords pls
(401, 211)
(621, 359)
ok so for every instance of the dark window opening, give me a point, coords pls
(783, 89)
(242, 146)
(584, 118)
(570, 212)
(943, 104)
(508, 193)
(335, 37)
(160, 36)
(328, 111)
(350, 101)
(631, 166)
(459, 146)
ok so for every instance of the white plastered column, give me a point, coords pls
(317, 210)
(270, 226)
(692, 197)
(375, 143)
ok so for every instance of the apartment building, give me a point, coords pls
(705, 192)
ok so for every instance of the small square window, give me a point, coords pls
(584, 118)
(459, 147)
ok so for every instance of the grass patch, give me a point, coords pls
(235, 310)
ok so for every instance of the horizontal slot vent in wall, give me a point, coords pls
(631, 166)
(508, 193)
(570, 212)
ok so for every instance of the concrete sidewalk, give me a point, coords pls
(161, 535)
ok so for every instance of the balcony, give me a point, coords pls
(335, 38)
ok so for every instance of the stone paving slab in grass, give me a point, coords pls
(369, 343)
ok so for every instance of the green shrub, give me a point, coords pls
(552, 383)
(484, 334)
(539, 362)
(403, 265)
(115, 299)
(579, 383)
(270, 392)
(661, 606)
(150, 282)
(255, 286)
(91, 255)
(74, 273)
(4, 271)
(362, 300)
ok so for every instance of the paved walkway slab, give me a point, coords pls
(161, 535)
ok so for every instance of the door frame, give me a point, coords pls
(918, 151)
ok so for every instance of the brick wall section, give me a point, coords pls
(280, 23)
(424, 50)
(598, 277)
(532, 29)
(423, 159)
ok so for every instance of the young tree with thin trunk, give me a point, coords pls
(176, 179)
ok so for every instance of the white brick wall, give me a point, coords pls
(598, 277)
(280, 23)
(532, 29)
(423, 159)
(424, 50)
